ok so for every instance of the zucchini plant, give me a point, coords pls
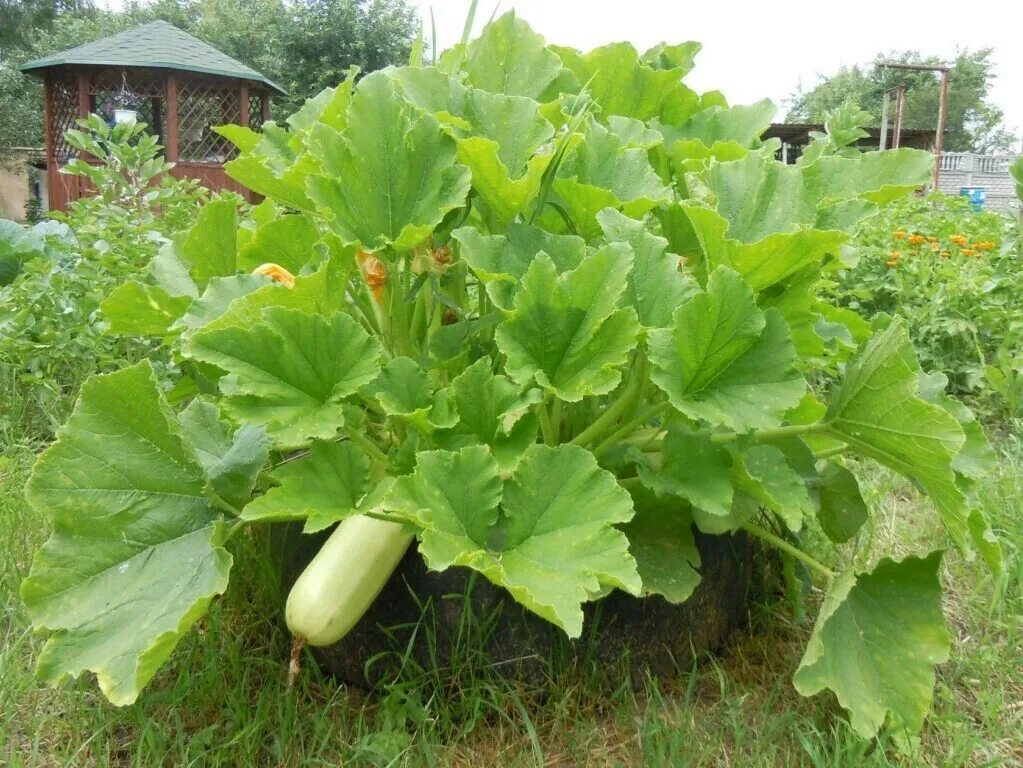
(544, 311)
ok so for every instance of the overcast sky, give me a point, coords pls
(752, 50)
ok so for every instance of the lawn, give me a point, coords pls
(224, 699)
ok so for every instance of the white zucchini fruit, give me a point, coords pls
(344, 578)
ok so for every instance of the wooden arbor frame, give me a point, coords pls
(180, 108)
(178, 85)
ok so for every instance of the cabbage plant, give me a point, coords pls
(545, 312)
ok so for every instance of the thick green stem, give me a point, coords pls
(628, 427)
(556, 419)
(549, 435)
(829, 452)
(367, 445)
(784, 546)
(625, 401)
(766, 435)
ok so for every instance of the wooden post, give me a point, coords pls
(243, 106)
(900, 103)
(84, 107)
(939, 137)
(52, 200)
(171, 121)
(883, 144)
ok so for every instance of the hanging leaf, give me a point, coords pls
(875, 409)
(322, 487)
(136, 552)
(231, 457)
(876, 641)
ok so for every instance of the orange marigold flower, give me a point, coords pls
(916, 239)
(277, 273)
(899, 234)
(984, 245)
(959, 240)
(968, 251)
(895, 255)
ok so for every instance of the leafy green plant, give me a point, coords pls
(51, 330)
(543, 310)
(952, 273)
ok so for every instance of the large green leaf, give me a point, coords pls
(288, 241)
(656, 286)
(501, 261)
(758, 196)
(138, 308)
(876, 641)
(321, 293)
(493, 411)
(726, 361)
(403, 389)
(391, 177)
(741, 124)
(876, 410)
(601, 172)
(216, 299)
(321, 487)
(510, 58)
(231, 457)
(546, 534)
(661, 539)
(621, 84)
(135, 555)
(695, 469)
(566, 333)
(290, 371)
(763, 473)
(766, 262)
(842, 510)
(210, 248)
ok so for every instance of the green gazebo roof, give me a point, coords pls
(157, 44)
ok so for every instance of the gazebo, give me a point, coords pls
(180, 86)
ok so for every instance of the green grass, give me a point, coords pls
(224, 699)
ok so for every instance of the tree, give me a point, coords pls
(974, 123)
(328, 36)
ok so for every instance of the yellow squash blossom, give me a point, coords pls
(277, 273)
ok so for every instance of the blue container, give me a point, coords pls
(977, 196)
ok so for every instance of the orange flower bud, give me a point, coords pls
(898, 235)
(277, 273)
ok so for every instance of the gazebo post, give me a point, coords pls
(53, 201)
(171, 122)
(75, 182)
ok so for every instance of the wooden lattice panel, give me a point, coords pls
(203, 104)
(255, 109)
(63, 114)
